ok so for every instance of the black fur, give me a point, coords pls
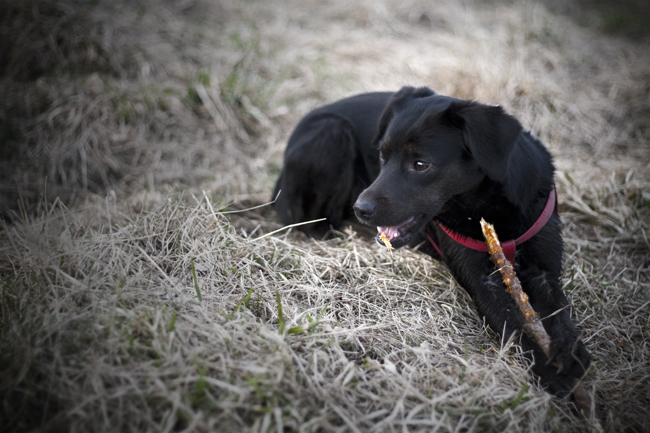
(447, 160)
(329, 160)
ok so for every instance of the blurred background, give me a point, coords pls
(127, 96)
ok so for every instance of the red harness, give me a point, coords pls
(509, 247)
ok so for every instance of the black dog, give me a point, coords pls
(432, 166)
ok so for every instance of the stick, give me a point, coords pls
(386, 242)
(532, 323)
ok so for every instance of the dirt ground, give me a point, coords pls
(144, 286)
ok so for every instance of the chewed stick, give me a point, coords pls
(532, 323)
(386, 242)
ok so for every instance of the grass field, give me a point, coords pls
(141, 288)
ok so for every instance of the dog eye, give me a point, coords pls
(420, 165)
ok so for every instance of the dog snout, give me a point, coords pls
(364, 209)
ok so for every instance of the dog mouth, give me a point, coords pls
(402, 233)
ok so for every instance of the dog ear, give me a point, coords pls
(394, 104)
(490, 135)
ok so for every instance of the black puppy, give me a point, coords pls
(432, 166)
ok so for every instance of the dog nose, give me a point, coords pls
(364, 209)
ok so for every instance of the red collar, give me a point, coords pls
(509, 247)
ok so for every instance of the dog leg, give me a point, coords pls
(318, 176)
(501, 314)
(568, 352)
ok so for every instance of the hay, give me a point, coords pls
(101, 188)
(112, 322)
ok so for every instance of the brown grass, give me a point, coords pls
(129, 131)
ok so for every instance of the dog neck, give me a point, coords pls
(509, 246)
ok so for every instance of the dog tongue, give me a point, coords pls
(394, 231)
(390, 232)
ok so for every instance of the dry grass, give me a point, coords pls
(363, 342)
(128, 113)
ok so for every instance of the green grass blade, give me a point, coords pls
(280, 316)
(171, 325)
(196, 282)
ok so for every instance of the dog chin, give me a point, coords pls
(402, 233)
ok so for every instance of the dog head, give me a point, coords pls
(432, 148)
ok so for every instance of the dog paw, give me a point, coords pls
(570, 356)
